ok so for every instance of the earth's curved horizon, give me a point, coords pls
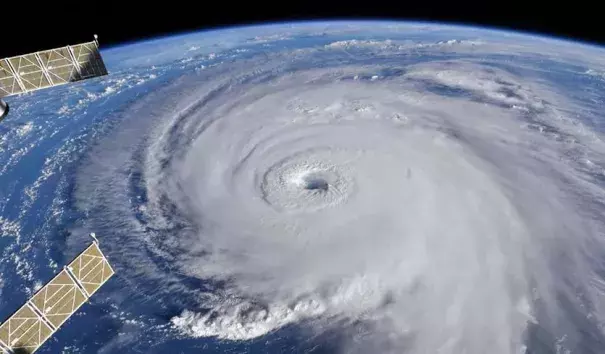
(319, 186)
(355, 21)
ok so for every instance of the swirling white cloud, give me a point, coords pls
(438, 202)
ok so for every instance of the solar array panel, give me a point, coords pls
(40, 317)
(34, 71)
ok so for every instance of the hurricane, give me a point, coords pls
(393, 202)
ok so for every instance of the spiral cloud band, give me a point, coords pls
(445, 206)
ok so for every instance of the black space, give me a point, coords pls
(51, 25)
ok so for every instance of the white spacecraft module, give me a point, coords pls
(47, 68)
(3, 109)
(51, 306)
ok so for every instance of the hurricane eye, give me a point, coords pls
(315, 182)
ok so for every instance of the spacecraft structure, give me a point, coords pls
(26, 330)
(48, 68)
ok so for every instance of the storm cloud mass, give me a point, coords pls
(442, 198)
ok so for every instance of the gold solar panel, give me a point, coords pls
(24, 331)
(50, 307)
(91, 269)
(8, 83)
(30, 71)
(59, 65)
(59, 299)
(53, 67)
(89, 60)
